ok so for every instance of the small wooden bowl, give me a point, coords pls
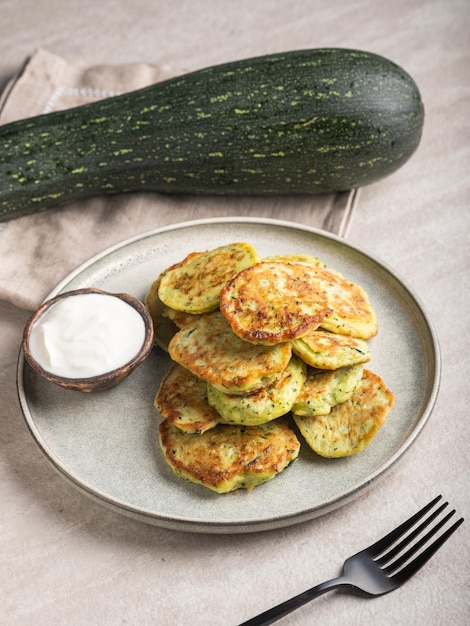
(101, 381)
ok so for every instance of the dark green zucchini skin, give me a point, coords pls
(302, 122)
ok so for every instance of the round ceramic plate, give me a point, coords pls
(106, 444)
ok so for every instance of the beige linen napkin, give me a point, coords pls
(38, 251)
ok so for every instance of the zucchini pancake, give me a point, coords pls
(323, 390)
(182, 399)
(329, 351)
(350, 425)
(274, 302)
(266, 403)
(230, 457)
(194, 285)
(268, 355)
(209, 349)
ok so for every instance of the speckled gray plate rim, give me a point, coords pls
(106, 444)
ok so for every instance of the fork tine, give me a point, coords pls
(380, 546)
(419, 544)
(415, 565)
(387, 556)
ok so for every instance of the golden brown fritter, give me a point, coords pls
(182, 399)
(230, 457)
(264, 404)
(179, 318)
(163, 327)
(194, 285)
(352, 312)
(351, 425)
(211, 351)
(329, 351)
(324, 389)
(273, 302)
(295, 258)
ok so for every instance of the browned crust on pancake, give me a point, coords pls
(182, 399)
(194, 284)
(230, 457)
(350, 426)
(211, 351)
(273, 302)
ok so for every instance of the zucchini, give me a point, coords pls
(302, 122)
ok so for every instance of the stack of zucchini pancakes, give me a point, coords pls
(268, 355)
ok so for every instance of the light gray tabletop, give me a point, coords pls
(66, 559)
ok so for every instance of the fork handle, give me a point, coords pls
(272, 615)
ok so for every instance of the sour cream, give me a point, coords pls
(87, 335)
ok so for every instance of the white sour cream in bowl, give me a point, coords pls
(88, 339)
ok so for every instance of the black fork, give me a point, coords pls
(383, 566)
